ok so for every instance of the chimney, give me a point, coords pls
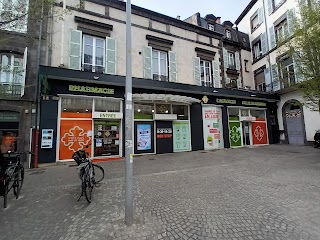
(218, 20)
(178, 17)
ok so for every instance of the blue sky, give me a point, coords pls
(226, 9)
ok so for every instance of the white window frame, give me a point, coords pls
(228, 34)
(255, 16)
(93, 65)
(211, 27)
(204, 81)
(286, 68)
(281, 30)
(166, 74)
(257, 51)
(231, 60)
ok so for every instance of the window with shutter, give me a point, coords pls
(172, 67)
(270, 7)
(238, 64)
(147, 63)
(160, 65)
(275, 78)
(206, 73)
(216, 74)
(267, 79)
(290, 21)
(111, 56)
(196, 71)
(272, 37)
(264, 45)
(75, 45)
(225, 58)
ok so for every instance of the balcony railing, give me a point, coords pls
(10, 91)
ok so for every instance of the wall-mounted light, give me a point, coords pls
(167, 111)
(215, 91)
(253, 95)
(64, 109)
(139, 110)
(152, 110)
(87, 110)
(96, 77)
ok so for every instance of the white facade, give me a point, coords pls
(266, 21)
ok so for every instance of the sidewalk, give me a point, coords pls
(268, 193)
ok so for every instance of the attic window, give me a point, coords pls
(228, 34)
(211, 27)
(244, 40)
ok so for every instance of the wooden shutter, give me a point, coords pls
(172, 67)
(290, 21)
(216, 74)
(267, 80)
(237, 58)
(196, 71)
(75, 46)
(272, 38)
(264, 45)
(260, 15)
(147, 63)
(225, 58)
(111, 56)
(24, 73)
(275, 78)
(270, 7)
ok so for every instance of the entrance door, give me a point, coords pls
(246, 133)
(106, 137)
(164, 137)
(295, 126)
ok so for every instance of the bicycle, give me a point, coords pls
(12, 175)
(88, 173)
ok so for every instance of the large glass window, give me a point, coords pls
(93, 54)
(287, 74)
(107, 105)
(76, 108)
(163, 108)
(160, 65)
(206, 73)
(231, 60)
(143, 110)
(233, 114)
(258, 114)
(181, 111)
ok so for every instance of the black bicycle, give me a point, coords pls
(89, 173)
(11, 175)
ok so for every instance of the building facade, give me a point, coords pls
(268, 22)
(182, 100)
(18, 74)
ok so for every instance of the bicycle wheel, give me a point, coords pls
(5, 194)
(18, 182)
(88, 188)
(98, 173)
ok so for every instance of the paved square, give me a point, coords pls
(270, 192)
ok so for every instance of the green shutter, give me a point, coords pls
(75, 46)
(111, 56)
(272, 37)
(264, 45)
(238, 65)
(147, 62)
(290, 21)
(225, 58)
(216, 74)
(172, 67)
(196, 71)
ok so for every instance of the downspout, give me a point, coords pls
(62, 34)
(267, 38)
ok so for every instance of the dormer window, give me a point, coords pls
(211, 27)
(228, 34)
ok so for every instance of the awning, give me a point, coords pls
(164, 98)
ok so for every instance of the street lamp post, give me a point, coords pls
(128, 124)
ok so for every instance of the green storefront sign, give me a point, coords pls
(235, 134)
(249, 103)
(226, 101)
(87, 89)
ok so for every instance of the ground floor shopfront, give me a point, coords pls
(166, 119)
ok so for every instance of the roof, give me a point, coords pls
(245, 11)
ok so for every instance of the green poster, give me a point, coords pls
(235, 134)
(181, 136)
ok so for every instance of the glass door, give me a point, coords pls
(106, 137)
(246, 133)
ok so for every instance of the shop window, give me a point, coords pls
(233, 114)
(163, 109)
(143, 110)
(106, 105)
(181, 111)
(258, 114)
(76, 108)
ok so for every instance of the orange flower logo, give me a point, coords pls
(75, 139)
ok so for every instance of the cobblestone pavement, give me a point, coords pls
(267, 193)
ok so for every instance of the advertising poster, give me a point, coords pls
(259, 133)
(74, 135)
(143, 137)
(181, 136)
(212, 127)
(47, 138)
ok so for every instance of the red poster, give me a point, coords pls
(259, 133)
(74, 135)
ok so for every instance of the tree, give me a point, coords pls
(304, 48)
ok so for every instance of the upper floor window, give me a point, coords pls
(211, 27)
(254, 21)
(246, 65)
(206, 73)
(160, 65)
(231, 61)
(281, 30)
(228, 34)
(93, 54)
(257, 52)
(11, 73)
(286, 73)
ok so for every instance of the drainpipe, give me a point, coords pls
(267, 39)
(62, 34)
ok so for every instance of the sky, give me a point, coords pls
(226, 9)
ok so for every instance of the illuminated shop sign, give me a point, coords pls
(87, 89)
